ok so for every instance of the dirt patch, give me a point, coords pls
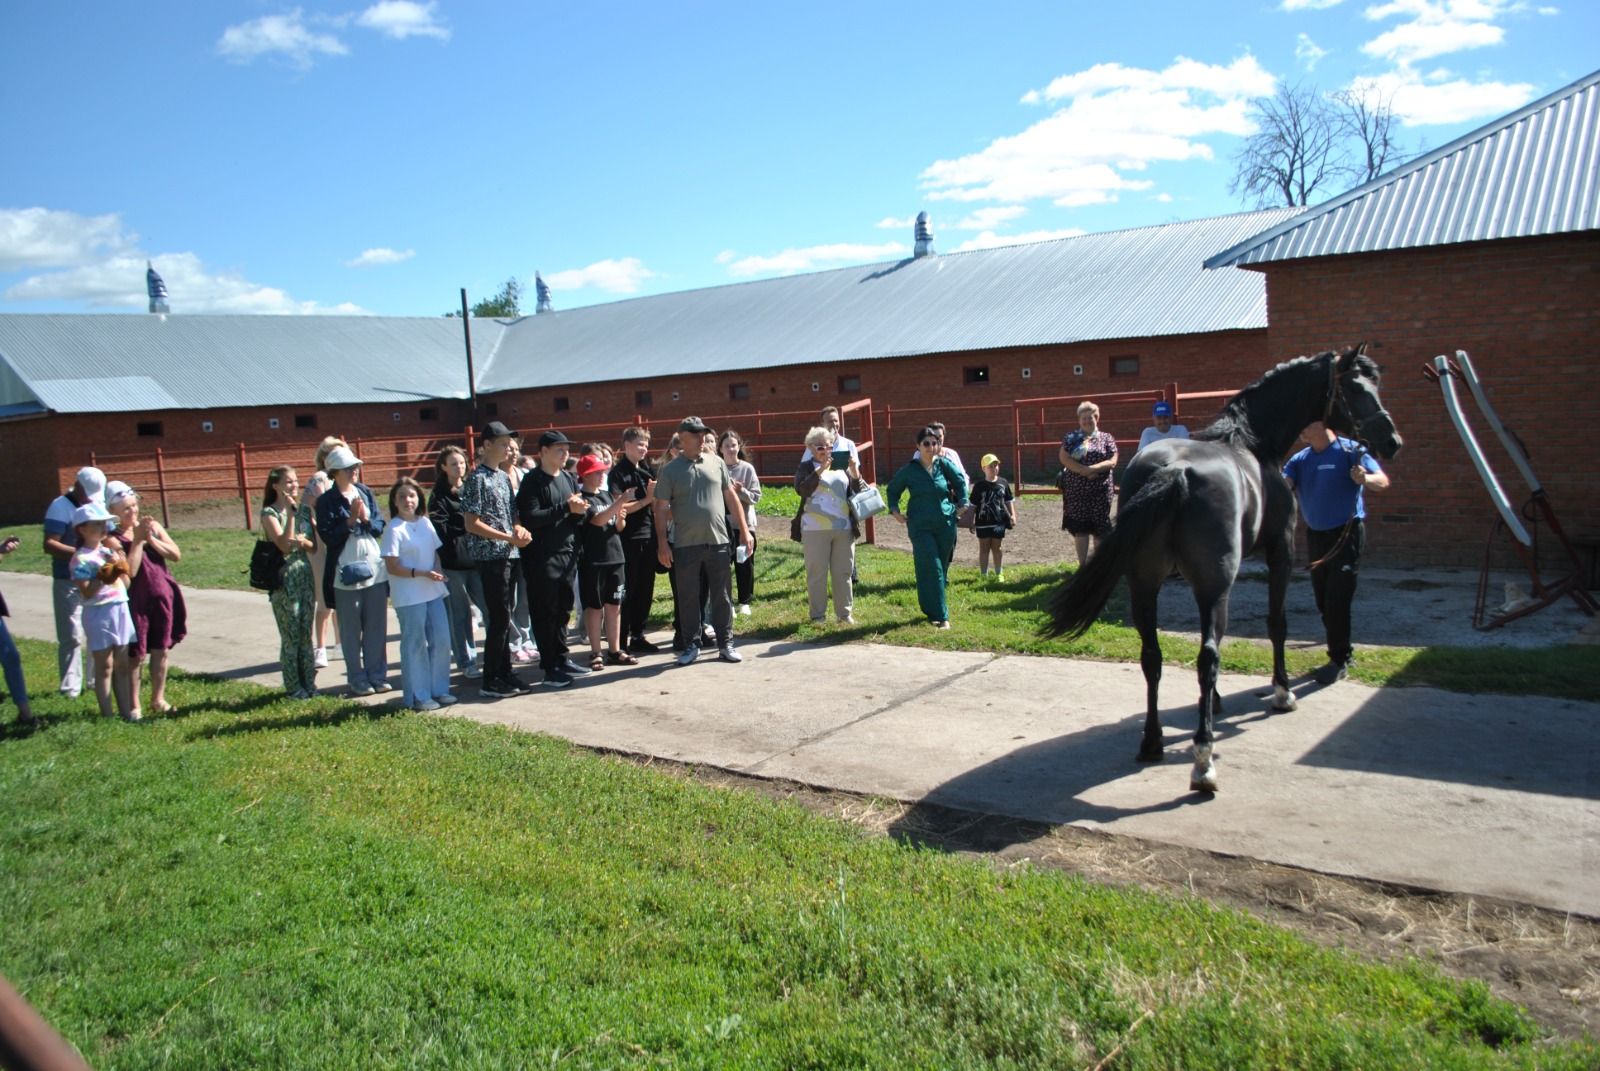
(1545, 961)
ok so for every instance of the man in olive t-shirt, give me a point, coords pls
(695, 493)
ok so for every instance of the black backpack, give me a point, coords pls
(266, 566)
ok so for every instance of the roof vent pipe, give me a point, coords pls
(541, 295)
(924, 233)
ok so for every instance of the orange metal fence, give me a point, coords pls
(1025, 430)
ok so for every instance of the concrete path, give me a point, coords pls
(1484, 795)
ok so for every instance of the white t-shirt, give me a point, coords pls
(1151, 435)
(416, 544)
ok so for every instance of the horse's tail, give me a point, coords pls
(1078, 602)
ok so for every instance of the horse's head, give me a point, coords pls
(1354, 407)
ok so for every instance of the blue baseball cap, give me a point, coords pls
(1163, 409)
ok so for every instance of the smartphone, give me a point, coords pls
(841, 459)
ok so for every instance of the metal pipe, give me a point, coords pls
(1509, 441)
(466, 333)
(1452, 405)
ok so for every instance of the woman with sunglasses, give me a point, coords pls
(937, 489)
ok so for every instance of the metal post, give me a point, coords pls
(244, 485)
(466, 333)
(161, 487)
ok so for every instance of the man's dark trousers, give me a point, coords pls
(1334, 583)
(702, 571)
(550, 603)
(639, 585)
(499, 583)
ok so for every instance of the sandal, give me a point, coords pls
(164, 707)
(621, 658)
(597, 662)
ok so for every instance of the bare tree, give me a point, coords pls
(1294, 151)
(1368, 125)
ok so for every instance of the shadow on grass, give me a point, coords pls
(305, 714)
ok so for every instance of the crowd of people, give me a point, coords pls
(514, 541)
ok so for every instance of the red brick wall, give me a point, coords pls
(44, 454)
(1528, 312)
(909, 391)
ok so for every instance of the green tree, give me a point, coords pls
(504, 305)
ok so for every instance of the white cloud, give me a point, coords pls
(894, 223)
(403, 18)
(117, 282)
(1436, 28)
(989, 239)
(1113, 120)
(727, 256)
(811, 257)
(1308, 5)
(1420, 102)
(32, 238)
(983, 219)
(1164, 198)
(613, 276)
(285, 34)
(1307, 52)
(382, 255)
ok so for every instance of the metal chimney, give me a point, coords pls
(156, 289)
(541, 296)
(924, 234)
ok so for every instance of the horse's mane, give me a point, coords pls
(1274, 392)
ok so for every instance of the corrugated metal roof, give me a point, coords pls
(1535, 171)
(1122, 284)
(110, 363)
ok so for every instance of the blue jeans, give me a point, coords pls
(465, 591)
(11, 660)
(424, 650)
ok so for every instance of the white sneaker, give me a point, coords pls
(744, 609)
(472, 672)
(426, 704)
(320, 659)
(382, 686)
(445, 700)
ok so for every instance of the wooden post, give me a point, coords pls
(161, 487)
(244, 485)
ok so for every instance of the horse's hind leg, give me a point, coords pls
(1142, 607)
(1279, 566)
(1213, 617)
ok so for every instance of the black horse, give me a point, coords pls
(1204, 504)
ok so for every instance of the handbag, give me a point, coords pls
(867, 502)
(967, 516)
(266, 566)
(359, 562)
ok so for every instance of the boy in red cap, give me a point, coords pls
(601, 565)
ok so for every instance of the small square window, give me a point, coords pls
(1125, 366)
(563, 404)
(272, 423)
(491, 409)
(428, 412)
(738, 392)
(849, 384)
(149, 429)
(974, 375)
(305, 420)
(641, 399)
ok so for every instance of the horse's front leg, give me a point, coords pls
(1213, 618)
(1280, 563)
(1142, 607)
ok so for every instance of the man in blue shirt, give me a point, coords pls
(1329, 475)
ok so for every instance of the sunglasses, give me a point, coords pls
(930, 442)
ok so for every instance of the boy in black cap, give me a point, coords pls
(552, 509)
(487, 510)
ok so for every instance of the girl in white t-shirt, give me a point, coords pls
(101, 572)
(410, 549)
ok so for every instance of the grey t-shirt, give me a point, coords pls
(695, 490)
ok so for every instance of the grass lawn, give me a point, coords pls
(998, 617)
(263, 883)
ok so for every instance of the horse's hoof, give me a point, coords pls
(1147, 755)
(1283, 699)
(1206, 783)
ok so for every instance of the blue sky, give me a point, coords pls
(376, 157)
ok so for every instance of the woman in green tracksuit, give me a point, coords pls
(938, 489)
